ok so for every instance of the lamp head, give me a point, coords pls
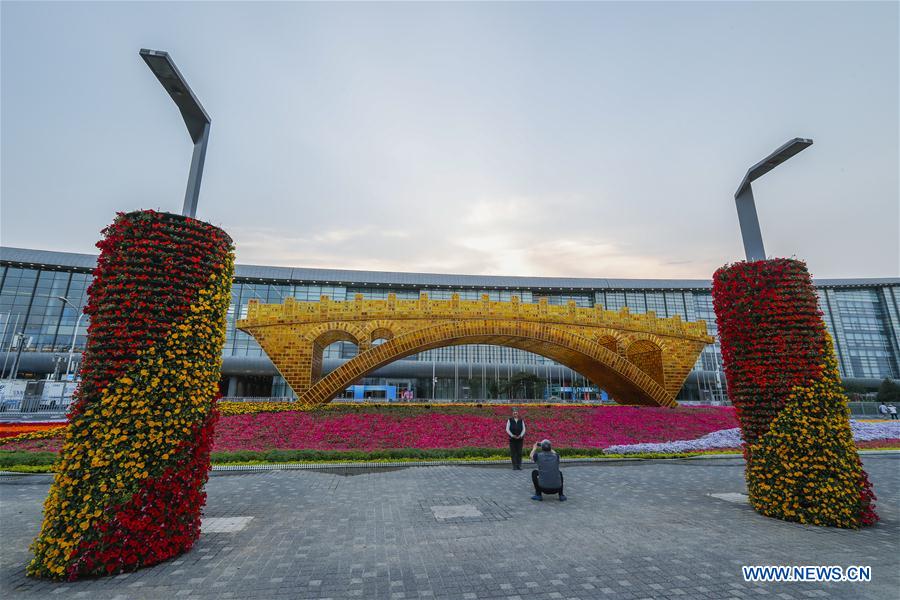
(781, 154)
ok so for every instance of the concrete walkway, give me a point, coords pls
(630, 530)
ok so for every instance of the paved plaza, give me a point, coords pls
(629, 530)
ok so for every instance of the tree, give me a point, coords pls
(523, 385)
(856, 391)
(855, 388)
(889, 391)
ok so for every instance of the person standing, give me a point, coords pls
(883, 409)
(892, 410)
(515, 429)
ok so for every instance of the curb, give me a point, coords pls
(420, 463)
(440, 463)
(465, 463)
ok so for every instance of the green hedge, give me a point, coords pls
(30, 461)
(276, 456)
(11, 458)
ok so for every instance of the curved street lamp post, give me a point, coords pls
(74, 332)
(743, 197)
(195, 118)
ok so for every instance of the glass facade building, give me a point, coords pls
(862, 315)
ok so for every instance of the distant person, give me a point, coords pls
(547, 478)
(883, 409)
(893, 410)
(515, 429)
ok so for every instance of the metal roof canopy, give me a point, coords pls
(53, 260)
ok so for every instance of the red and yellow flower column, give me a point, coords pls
(783, 380)
(129, 485)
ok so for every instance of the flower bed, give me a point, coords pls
(783, 379)
(129, 485)
(28, 455)
(414, 427)
(865, 435)
(367, 427)
(614, 429)
(364, 428)
(20, 430)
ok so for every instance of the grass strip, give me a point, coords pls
(43, 462)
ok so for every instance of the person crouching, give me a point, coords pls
(547, 478)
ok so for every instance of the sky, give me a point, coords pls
(573, 140)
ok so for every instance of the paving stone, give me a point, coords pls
(631, 530)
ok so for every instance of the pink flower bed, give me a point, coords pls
(405, 427)
(566, 427)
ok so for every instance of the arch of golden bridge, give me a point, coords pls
(636, 358)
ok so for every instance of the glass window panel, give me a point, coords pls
(613, 300)
(636, 302)
(675, 305)
(656, 303)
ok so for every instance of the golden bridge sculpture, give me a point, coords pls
(636, 358)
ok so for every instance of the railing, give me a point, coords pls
(704, 402)
(257, 399)
(42, 405)
(326, 309)
(22, 396)
(34, 405)
(553, 400)
(859, 409)
(866, 409)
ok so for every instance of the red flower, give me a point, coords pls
(774, 342)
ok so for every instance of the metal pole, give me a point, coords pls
(192, 193)
(195, 119)
(74, 331)
(72, 347)
(62, 390)
(701, 379)
(56, 360)
(3, 339)
(456, 373)
(5, 327)
(547, 380)
(468, 358)
(483, 383)
(743, 197)
(719, 371)
(749, 223)
(15, 366)
(9, 350)
(497, 376)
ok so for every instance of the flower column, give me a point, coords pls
(129, 485)
(783, 380)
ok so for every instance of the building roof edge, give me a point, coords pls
(79, 261)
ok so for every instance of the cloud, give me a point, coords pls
(503, 236)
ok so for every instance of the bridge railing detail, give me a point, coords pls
(326, 309)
